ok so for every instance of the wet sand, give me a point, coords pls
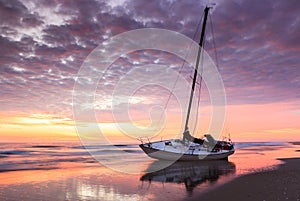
(279, 184)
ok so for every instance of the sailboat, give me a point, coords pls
(190, 148)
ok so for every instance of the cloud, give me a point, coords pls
(43, 44)
(257, 48)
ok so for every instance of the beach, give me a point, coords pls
(279, 184)
(70, 171)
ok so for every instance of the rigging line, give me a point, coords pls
(214, 42)
(184, 61)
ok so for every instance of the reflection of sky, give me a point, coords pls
(100, 192)
(43, 44)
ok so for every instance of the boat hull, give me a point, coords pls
(166, 155)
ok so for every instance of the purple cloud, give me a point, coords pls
(43, 44)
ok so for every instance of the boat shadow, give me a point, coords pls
(191, 174)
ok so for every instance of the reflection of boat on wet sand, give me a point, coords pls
(190, 148)
(191, 174)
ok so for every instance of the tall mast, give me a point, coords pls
(197, 65)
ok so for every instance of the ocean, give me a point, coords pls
(70, 171)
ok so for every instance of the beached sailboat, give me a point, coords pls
(189, 147)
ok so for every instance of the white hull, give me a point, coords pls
(175, 150)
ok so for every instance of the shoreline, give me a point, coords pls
(281, 183)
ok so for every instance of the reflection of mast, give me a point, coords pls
(191, 174)
(197, 65)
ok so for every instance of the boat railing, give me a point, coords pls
(142, 139)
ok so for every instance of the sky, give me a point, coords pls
(44, 43)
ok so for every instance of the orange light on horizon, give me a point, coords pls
(264, 122)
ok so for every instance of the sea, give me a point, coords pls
(71, 171)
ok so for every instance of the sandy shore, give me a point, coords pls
(279, 184)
